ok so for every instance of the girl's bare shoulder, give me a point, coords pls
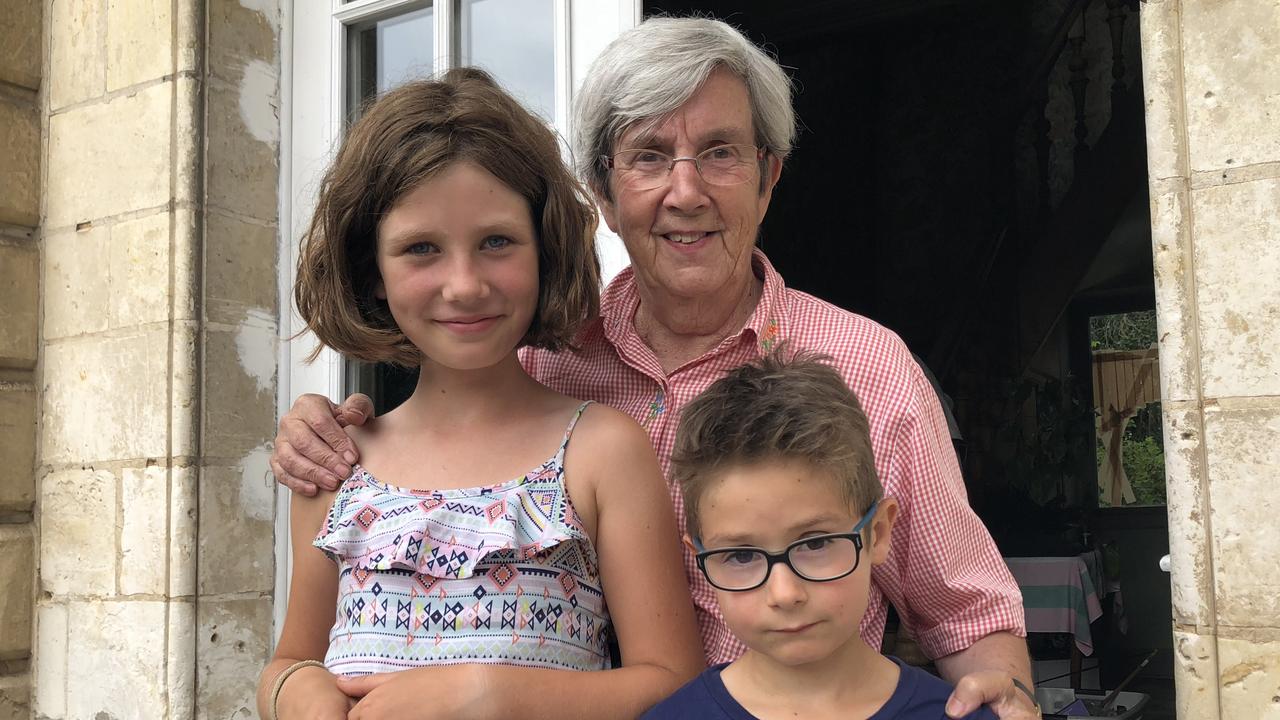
(605, 437)
(603, 423)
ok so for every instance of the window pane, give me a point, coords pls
(1126, 398)
(381, 55)
(388, 52)
(515, 41)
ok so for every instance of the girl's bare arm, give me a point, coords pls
(313, 591)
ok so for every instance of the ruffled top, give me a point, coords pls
(499, 573)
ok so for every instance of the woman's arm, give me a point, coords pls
(310, 692)
(645, 589)
(983, 674)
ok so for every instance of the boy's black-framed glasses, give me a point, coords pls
(818, 558)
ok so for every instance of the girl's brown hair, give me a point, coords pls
(407, 136)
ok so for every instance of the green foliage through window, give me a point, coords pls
(1143, 453)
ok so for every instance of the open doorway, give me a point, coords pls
(973, 176)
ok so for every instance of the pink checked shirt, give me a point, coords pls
(943, 573)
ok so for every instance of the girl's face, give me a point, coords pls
(458, 256)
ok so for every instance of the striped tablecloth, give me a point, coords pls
(1058, 596)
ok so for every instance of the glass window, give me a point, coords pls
(385, 53)
(515, 41)
(1126, 397)
(382, 54)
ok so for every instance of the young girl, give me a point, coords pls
(490, 516)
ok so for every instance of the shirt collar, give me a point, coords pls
(765, 327)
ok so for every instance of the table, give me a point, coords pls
(1058, 596)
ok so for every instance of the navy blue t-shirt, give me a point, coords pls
(918, 696)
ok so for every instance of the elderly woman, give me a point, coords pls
(682, 127)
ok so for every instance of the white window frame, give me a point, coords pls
(313, 97)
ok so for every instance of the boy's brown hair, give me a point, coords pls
(407, 136)
(776, 408)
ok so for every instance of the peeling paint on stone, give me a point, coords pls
(266, 7)
(256, 348)
(258, 110)
(257, 487)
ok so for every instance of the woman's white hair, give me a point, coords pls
(651, 70)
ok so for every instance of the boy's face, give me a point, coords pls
(770, 505)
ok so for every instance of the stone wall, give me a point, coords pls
(157, 384)
(1212, 84)
(19, 347)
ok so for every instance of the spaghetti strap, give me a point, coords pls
(573, 422)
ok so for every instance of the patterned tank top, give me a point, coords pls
(496, 574)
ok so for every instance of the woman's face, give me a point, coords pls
(690, 241)
(458, 258)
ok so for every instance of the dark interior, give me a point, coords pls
(973, 176)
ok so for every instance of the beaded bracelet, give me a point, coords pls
(284, 675)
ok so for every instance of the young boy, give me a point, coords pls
(787, 517)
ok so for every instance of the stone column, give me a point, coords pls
(158, 376)
(236, 543)
(1212, 86)
(19, 301)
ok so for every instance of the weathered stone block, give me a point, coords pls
(1249, 673)
(19, 163)
(1237, 257)
(233, 645)
(139, 42)
(128, 638)
(15, 697)
(183, 527)
(240, 273)
(106, 398)
(77, 282)
(1243, 454)
(240, 374)
(50, 661)
(184, 420)
(188, 155)
(20, 43)
(182, 652)
(1231, 66)
(19, 288)
(17, 447)
(144, 541)
(77, 63)
(19, 285)
(1191, 575)
(139, 269)
(1162, 90)
(239, 34)
(1195, 660)
(91, 148)
(1175, 296)
(237, 527)
(243, 143)
(17, 568)
(77, 533)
